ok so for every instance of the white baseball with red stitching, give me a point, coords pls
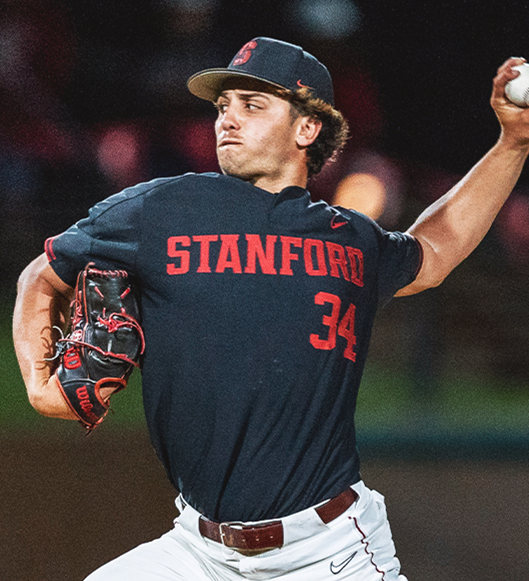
(517, 90)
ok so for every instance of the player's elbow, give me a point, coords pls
(433, 277)
(39, 403)
(420, 284)
(48, 401)
(436, 279)
(49, 409)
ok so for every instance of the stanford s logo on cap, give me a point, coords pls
(243, 56)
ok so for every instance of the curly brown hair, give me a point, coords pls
(334, 130)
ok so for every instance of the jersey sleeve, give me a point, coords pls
(400, 259)
(108, 236)
(399, 255)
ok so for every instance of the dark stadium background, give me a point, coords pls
(93, 99)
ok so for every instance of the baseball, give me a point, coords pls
(517, 90)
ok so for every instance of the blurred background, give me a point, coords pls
(93, 100)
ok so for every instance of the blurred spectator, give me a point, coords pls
(121, 155)
(372, 184)
(195, 137)
(37, 52)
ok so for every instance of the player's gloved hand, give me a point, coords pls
(103, 345)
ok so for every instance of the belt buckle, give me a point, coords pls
(228, 540)
(226, 537)
(222, 534)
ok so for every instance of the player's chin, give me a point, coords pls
(229, 168)
(235, 174)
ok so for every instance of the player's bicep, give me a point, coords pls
(40, 290)
(39, 273)
(430, 271)
(399, 263)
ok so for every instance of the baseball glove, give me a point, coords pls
(104, 343)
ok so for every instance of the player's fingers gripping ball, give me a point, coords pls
(103, 345)
(517, 89)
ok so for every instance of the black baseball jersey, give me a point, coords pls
(257, 310)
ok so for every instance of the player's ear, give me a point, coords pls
(308, 130)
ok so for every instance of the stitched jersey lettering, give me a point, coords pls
(204, 242)
(229, 254)
(263, 253)
(337, 260)
(287, 256)
(256, 252)
(173, 244)
(314, 261)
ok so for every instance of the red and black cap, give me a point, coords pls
(278, 63)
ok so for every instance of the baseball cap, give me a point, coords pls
(276, 62)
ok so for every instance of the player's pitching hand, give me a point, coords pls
(514, 120)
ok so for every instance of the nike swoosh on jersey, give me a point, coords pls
(335, 224)
(337, 569)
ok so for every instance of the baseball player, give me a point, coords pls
(257, 306)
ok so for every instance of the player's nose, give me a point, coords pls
(230, 117)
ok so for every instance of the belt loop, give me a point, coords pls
(180, 503)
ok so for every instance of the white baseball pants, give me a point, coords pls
(356, 546)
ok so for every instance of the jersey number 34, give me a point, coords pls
(344, 327)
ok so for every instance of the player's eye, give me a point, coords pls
(221, 107)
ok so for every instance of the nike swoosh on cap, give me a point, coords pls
(301, 85)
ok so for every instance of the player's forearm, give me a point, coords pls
(451, 228)
(38, 307)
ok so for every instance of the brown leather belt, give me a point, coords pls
(259, 538)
